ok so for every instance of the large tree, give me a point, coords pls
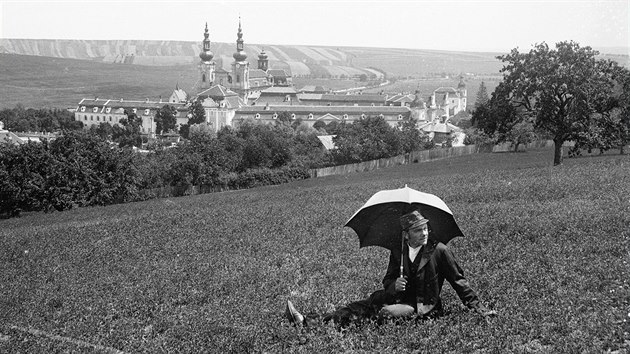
(558, 88)
(165, 119)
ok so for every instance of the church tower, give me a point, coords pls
(240, 66)
(463, 92)
(263, 61)
(206, 65)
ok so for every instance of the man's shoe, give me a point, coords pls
(293, 315)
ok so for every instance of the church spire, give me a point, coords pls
(206, 54)
(239, 55)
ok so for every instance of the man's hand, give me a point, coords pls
(401, 284)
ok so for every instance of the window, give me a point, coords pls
(362, 116)
(345, 116)
(134, 110)
(85, 117)
(95, 109)
(82, 108)
(274, 116)
(293, 116)
(310, 116)
(238, 78)
(400, 117)
(146, 112)
(98, 119)
(381, 116)
(257, 116)
(91, 117)
(108, 109)
(110, 118)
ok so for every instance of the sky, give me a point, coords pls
(460, 25)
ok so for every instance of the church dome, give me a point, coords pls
(206, 56)
(262, 55)
(240, 56)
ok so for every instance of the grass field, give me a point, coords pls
(547, 248)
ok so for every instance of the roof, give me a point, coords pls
(439, 128)
(7, 136)
(285, 90)
(128, 104)
(354, 98)
(401, 98)
(327, 141)
(217, 91)
(445, 90)
(314, 89)
(310, 96)
(301, 109)
(180, 94)
(257, 73)
(277, 73)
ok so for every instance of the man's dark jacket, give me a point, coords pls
(425, 277)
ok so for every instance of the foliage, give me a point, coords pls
(165, 120)
(76, 169)
(20, 119)
(544, 248)
(128, 134)
(482, 95)
(559, 88)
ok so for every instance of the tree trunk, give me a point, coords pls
(557, 156)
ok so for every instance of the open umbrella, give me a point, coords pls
(377, 222)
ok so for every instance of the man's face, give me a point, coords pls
(418, 236)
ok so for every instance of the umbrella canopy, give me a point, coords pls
(377, 222)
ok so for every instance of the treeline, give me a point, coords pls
(83, 168)
(20, 119)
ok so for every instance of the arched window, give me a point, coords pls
(310, 116)
(400, 117)
(292, 115)
(257, 116)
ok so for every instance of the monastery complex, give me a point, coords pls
(262, 93)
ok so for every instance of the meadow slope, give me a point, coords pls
(546, 247)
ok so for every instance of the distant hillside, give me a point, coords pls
(310, 61)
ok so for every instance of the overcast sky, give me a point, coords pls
(490, 25)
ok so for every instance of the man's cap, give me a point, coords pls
(413, 219)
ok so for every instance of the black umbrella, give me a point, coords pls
(377, 222)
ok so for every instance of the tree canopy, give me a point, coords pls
(559, 89)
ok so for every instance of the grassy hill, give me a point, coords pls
(545, 247)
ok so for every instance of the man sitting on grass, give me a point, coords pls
(416, 292)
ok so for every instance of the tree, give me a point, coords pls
(482, 95)
(196, 112)
(129, 133)
(165, 119)
(558, 88)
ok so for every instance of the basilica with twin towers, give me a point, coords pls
(261, 93)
